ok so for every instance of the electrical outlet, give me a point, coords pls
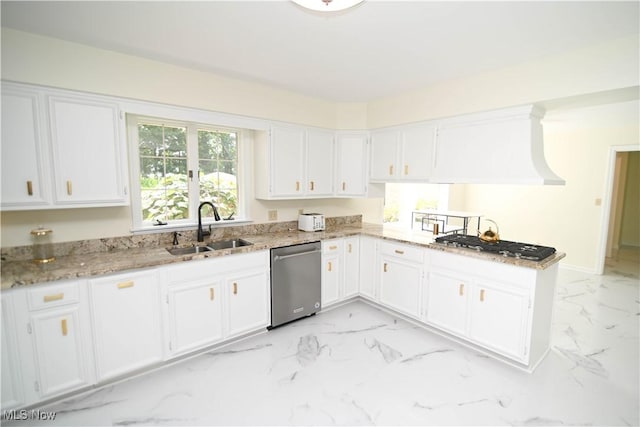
(273, 215)
(300, 211)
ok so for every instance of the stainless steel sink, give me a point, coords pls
(213, 246)
(189, 251)
(228, 244)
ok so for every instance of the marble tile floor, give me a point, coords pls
(625, 262)
(357, 365)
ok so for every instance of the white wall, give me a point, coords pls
(30, 58)
(594, 69)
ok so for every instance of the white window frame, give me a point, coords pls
(138, 223)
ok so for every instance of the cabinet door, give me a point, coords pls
(368, 276)
(417, 153)
(59, 350)
(384, 155)
(195, 316)
(87, 152)
(126, 323)
(400, 285)
(351, 177)
(320, 150)
(351, 266)
(248, 296)
(23, 151)
(447, 302)
(499, 318)
(287, 161)
(331, 278)
(12, 391)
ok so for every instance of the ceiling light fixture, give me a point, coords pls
(327, 5)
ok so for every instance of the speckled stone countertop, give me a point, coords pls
(113, 255)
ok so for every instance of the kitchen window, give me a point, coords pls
(401, 199)
(177, 165)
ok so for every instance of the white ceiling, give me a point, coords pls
(377, 49)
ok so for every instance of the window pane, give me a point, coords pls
(218, 163)
(226, 201)
(163, 172)
(175, 140)
(150, 140)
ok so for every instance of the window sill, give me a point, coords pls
(149, 229)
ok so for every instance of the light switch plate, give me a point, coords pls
(273, 215)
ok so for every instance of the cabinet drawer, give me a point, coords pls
(332, 246)
(125, 281)
(53, 296)
(409, 253)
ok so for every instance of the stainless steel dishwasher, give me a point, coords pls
(295, 282)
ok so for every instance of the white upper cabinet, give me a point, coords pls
(417, 145)
(384, 155)
(294, 162)
(402, 155)
(351, 164)
(320, 164)
(60, 149)
(286, 150)
(498, 147)
(24, 180)
(86, 151)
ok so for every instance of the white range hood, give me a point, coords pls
(497, 147)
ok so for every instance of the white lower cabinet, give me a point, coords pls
(247, 300)
(486, 303)
(340, 270)
(401, 277)
(11, 374)
(59, 350)
(332, 271)
(126, 322)
(211, 300)
(448, 301)
(195, 315)
(499, 317)
(54, 334)
(351, 266)
(369, 276)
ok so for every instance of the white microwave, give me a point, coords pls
(311, 222)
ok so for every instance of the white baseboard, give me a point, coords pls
(578, 268)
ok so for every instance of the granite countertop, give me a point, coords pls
(77, 265)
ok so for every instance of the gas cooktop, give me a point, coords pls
(503, 247)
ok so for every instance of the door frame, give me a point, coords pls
(606, 214)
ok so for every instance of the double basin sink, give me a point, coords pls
(213, 246)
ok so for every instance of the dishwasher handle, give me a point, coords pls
(279, 257)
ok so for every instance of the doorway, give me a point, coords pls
(622, 227)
